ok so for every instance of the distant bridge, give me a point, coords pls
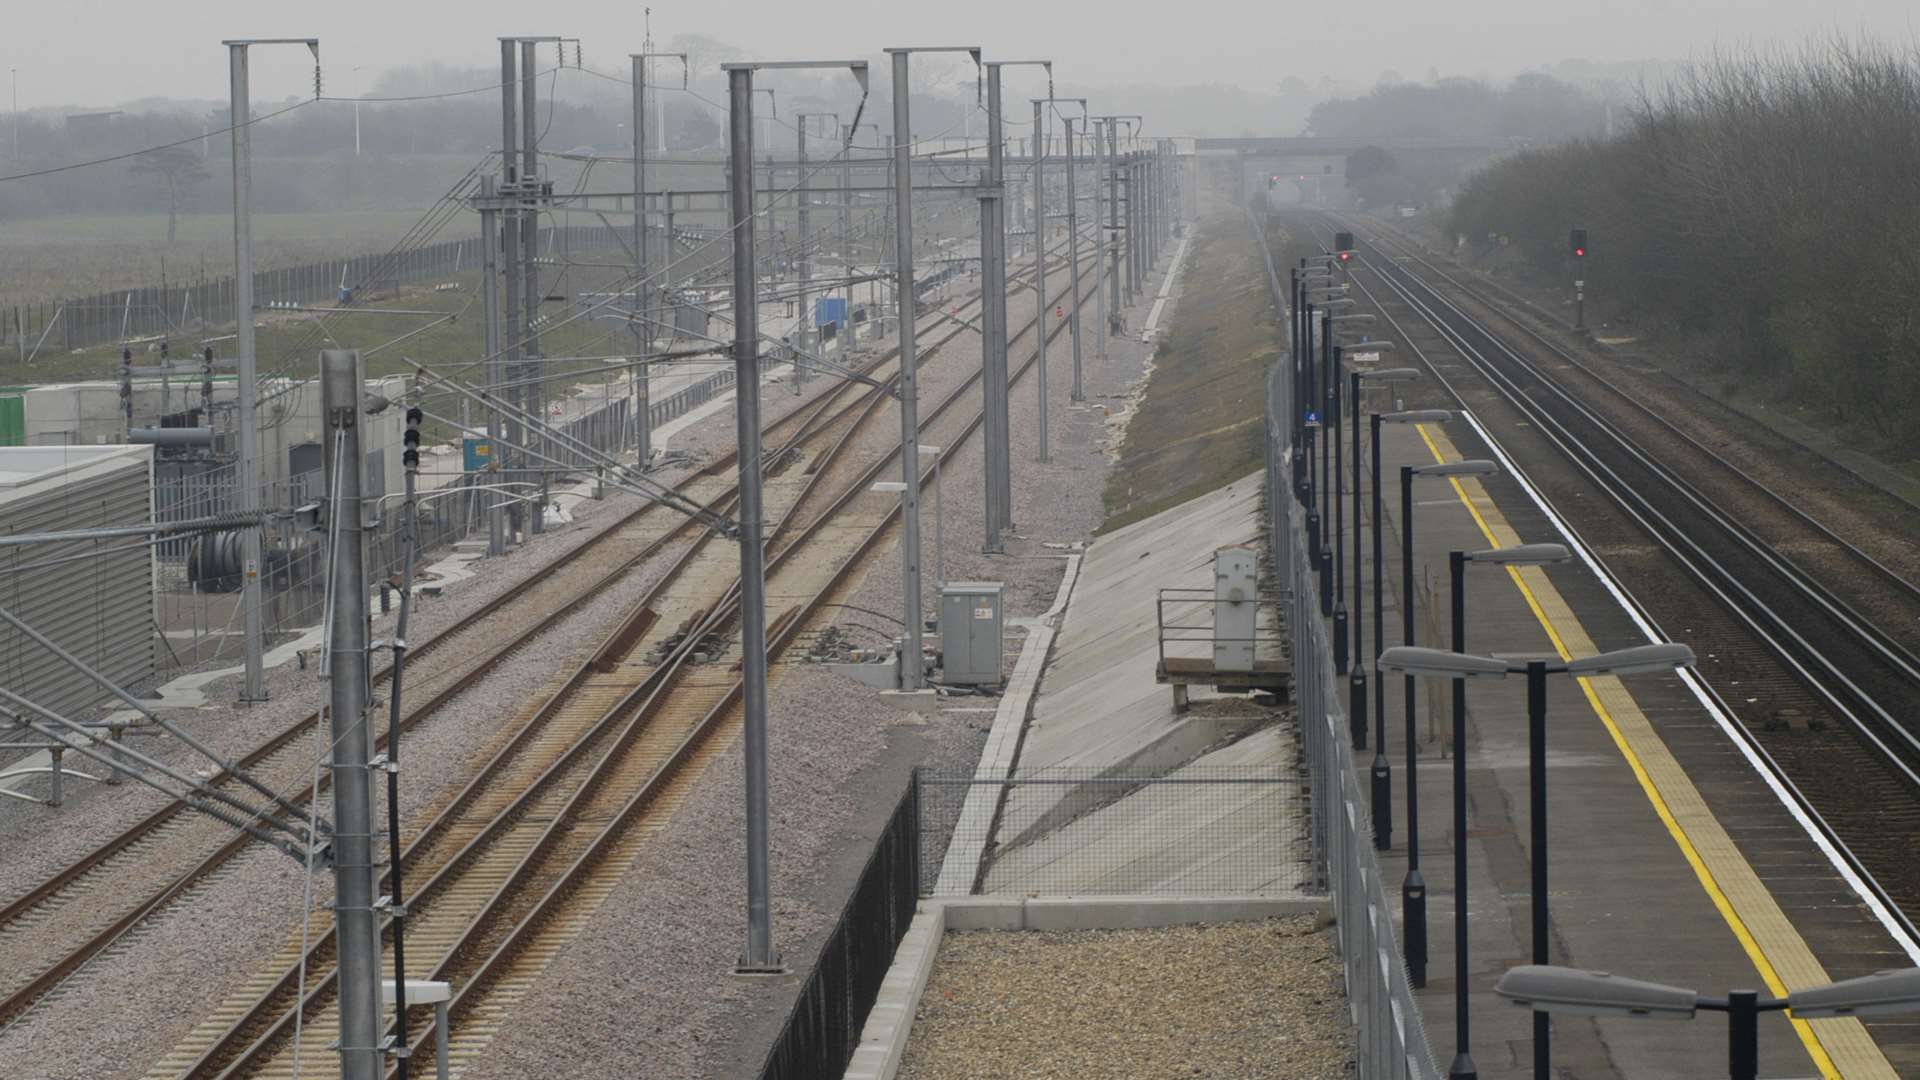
(1342, 145)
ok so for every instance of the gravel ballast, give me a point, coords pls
(1235, 1001)
(666, 940)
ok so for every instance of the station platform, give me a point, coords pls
(1671, 859)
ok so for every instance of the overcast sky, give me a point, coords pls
(103, 52)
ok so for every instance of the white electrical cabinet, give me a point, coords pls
(970, 633)
(1234, 608)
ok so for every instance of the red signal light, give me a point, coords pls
(1579, 251)
(1345, 255)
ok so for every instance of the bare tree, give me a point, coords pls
(180, 169)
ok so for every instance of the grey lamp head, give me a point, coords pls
(1457, 468)
(1521, 555)
(1381, 345)
(1350, 318)
(1883, 993)
(1635, 661)
(1387, 375)
(1416, 416)
(1440, 664)
(1543, 988)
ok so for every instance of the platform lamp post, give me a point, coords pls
(1329, 398)
(1439, 663)
(1382, 771)
(1546, 989)
(912, 677)
(760, 956)
(1357, 672)
(1413, 888)
(1463, 1066)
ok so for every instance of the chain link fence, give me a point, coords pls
(1390, 1039)
(151, 310)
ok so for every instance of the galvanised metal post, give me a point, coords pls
(529, 256)
(1078, 393)
(993, 283)
(1413, 888)
(1463, 1066)
(846, 231)
(641, 375)
(510, 266)
(361, 1056)
(1537, 812)
(247, 471)
(802, 195)
(1382, 771)
(1114, 325)
(490, 314)
(1105, 336)
(1040, 266)
(760, 955)
(912, 676)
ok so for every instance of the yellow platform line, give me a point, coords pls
(1840, 1047)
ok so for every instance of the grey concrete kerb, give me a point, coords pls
(883, 1039)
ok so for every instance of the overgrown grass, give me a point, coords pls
(1199, 426)
(1768, 201)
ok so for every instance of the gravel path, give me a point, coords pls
(1238, 1001)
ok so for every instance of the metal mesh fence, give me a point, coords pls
(1120, 833)
(1391, 1039)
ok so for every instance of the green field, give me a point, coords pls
(57, 258)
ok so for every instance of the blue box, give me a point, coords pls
(476, 452)
(830, 309)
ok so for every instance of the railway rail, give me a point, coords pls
(54, 928)
(1794, 644)
(515, 861)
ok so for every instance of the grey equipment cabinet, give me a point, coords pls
(970, 633)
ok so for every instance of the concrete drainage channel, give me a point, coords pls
(883, 1039)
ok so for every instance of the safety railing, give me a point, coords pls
(1390, 1038)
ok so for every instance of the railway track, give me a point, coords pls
(1795, 646)
(54, 928)
(517, 861)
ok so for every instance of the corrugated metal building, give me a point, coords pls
(100, 607)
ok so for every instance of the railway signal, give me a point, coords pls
(410, 457)
(1343, 246)
(1577, 243)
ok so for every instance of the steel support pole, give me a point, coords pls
(1114, 324)
(759, 955)
(1335, 416)
(1078, 394)
(530, 255)
(993, 292)
(639, 375)
(1382, 772)
(1463, 1066)
(1040, 268)
(912, 676)
(1413, 888)
(247, 472)
(802, 195)
(1357, 675)
(490, 314)
(357, 932)
(847, 245)
(1105, 336)
(1537, 797)
(510, 276)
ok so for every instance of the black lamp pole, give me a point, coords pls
(1382, 771)
(1463, 1067)
(1322, 396)
(1334, 412)
(1307, 399)
(1537, 793)
(1357, 677)
(1413, 889)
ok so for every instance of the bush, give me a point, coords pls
(1768, 199)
